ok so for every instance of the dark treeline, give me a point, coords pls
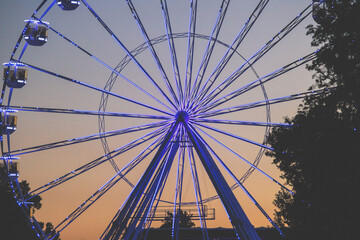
(319, 155)
(13, 223)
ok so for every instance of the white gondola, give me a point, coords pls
(68, 4)
(36, 33)
(12, 169)
(8, 123)
(15, 75)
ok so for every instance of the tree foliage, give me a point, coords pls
(318, 156)
(183, 217)
(49, 231)
(13, 223)
(12, 220)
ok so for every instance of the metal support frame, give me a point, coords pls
(119, 222)
(244, 229)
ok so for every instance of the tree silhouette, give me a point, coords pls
(184, 220)
(318, 156)
(49, 231)
(13, 223)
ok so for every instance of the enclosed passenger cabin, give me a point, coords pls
(320, 12)
(8, 123)
(15, 76)
(36, 33)
(68, 4)
(12, 169)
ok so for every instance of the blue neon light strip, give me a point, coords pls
(255, 57)
(77, 140)
(260, 81)
(243, 159)
(126, 50)
(237, 216)
(200, 206)
(93, 87)
(234, 136)
(231, 50)
(171, 43)
(264, 103)
(190, 52)
(153, 52)
(95, 162)
(117, 225)
(243, 188)
(84, 112)
(246, 123)
(209, 50)
(107, 186)
(105, 65)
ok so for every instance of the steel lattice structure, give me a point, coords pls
(182, 124)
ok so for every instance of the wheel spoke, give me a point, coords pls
(155, 189)
(259, 54)
(209, 49)
(107, 186)
(243, 188)
(171, 43)
(33, 16)
(94, 163)
(232, 48)
(92, 87)
(198, 196)
(117, 225)
(17, 46)
(190, 51)
(83, 112)
(72, 141)
(260, 81)
(105, 65)
(178, 191)
(265, 102)
(126, 50)
(153, 52)
(246, 161)
(235, 136)
(245, 123)
(241, 224)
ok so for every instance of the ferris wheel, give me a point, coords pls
(150, 109)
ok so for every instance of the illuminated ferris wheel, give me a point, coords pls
(182, 116)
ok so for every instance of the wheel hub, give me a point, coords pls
(182, 116)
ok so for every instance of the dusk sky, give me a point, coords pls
(60, 57)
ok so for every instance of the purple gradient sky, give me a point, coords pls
(61, 57)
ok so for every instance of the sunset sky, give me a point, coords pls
(61, 57)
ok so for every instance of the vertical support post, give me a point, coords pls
(244, 229)
(199, 201)
(135, 228)
(119, 222)
(178, 194)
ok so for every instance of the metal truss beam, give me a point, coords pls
(244, 229)
(117, 226)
